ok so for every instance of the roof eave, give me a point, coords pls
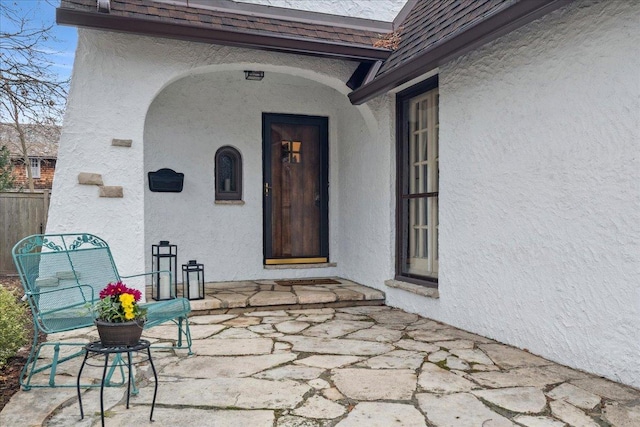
(252, 40)
(19, 157)
(503, 22)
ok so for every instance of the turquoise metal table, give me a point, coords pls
(95, 349)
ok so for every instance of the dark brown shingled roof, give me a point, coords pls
(430, 22)
(436, 31)
(230, 28)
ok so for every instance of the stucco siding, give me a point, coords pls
(104, 102)
(540, 190)
(367, 175)
(370, 9)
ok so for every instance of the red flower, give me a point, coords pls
(117, 289)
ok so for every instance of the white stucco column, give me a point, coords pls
(112, 87)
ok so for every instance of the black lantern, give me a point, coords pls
(164, 257)
(193, 280)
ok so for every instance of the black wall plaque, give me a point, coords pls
(166, 181)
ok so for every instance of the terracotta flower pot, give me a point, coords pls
(119, 334)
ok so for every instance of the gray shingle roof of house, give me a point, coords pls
(430, 22)
(42, 140)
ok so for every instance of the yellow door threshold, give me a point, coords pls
(280, 261)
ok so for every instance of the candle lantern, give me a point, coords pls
(164, 258)
(193, 280)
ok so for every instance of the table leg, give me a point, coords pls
(104, 373)
(86, 354)
(128, 377)
(155, 389)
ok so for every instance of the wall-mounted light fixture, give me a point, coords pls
(253, 75)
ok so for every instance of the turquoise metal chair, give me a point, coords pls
(62, 275)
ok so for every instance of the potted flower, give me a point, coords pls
(119, 318)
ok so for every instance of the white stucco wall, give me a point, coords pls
(367, 206)
(381, 10)
(179, 102)
(540, 190)
(102, 105)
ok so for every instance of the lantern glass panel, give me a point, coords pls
(165, 286)
(194, 284)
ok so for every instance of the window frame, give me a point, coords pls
(403, 132)
(236, 173)
(35, 171)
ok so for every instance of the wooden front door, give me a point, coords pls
(295, 189)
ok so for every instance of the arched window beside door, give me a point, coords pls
(228, 170)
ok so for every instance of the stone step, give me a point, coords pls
(247, 296)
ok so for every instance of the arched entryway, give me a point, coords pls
(195, 115)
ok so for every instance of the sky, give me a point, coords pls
(43, 12)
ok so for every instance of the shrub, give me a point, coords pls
(13, 324)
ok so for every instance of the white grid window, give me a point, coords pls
(35, 168)
(422, 251)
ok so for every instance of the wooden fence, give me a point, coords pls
(21, 214)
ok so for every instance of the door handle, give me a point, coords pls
(267, 187)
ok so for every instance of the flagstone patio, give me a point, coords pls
(352, 366)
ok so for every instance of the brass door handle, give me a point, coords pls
(267, 187)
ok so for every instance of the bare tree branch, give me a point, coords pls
(30, 91)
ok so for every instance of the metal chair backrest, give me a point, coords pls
(62, 275)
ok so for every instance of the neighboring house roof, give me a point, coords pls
(435, 32)
(42, 140)
(301, 32)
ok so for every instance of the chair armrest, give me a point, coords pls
(168, 273)
(147, 274)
